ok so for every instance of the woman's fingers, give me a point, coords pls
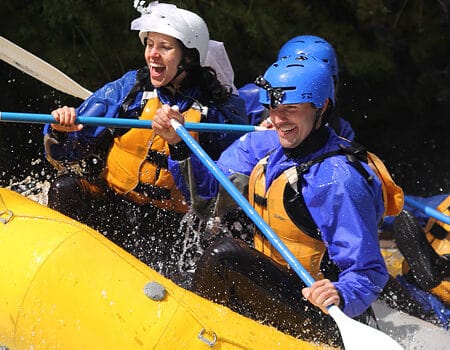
(162, 125)
(65, 118)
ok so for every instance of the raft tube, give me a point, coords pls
(66, 286)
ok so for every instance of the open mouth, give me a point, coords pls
(156, 70)
(286, 130)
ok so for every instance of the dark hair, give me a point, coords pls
(212, 91)
(327, 113)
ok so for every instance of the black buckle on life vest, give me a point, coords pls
(159, 159)
(301, 168)
(260, 200)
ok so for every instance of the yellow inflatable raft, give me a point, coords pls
(65, 286)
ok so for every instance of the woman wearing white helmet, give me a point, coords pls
(133, 185)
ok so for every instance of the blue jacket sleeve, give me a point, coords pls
(240, 157)
(233, 111)
(104, 102)
(347, 210)
(255, 111)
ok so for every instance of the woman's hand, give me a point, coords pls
(322, 293)
(162, 126)
(65, 118)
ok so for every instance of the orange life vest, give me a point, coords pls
(140, 157)
(308, 250)
(393, 196)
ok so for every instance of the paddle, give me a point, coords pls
(39, 69)
(428, 210)
(355, 335)
(125, 123)
(43, 71)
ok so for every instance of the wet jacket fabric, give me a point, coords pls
(256, 112)
(107, 102)
(344, 205)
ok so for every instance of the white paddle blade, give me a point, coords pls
(39, 69)
(358, 336)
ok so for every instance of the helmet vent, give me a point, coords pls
(295, 65)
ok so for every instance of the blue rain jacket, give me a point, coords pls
(255, 110)
(345, 129)
(106, 101)
(344, 205)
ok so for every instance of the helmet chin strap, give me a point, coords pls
(319, 114)
(180, 69)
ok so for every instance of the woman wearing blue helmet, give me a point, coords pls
(324, 205)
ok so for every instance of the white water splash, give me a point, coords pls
(33, 188)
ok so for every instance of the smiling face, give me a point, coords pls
(294, 122)
(163, 54)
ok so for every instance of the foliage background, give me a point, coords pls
(393, 59)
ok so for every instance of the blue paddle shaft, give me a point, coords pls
(243, 203)
(428, 210)
(124, 123)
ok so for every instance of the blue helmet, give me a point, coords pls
(312, 45)
(296, 79)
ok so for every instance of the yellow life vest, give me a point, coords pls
(308, 250)
(140, 157)
(442, 247)
(393, 196)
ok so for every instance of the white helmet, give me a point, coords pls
(168, 19)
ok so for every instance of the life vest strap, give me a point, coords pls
(158, 158)
(355, 156)
(153, 192)
(260, 200)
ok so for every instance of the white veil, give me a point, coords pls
(217, 58)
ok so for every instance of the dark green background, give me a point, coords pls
(394, 59)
